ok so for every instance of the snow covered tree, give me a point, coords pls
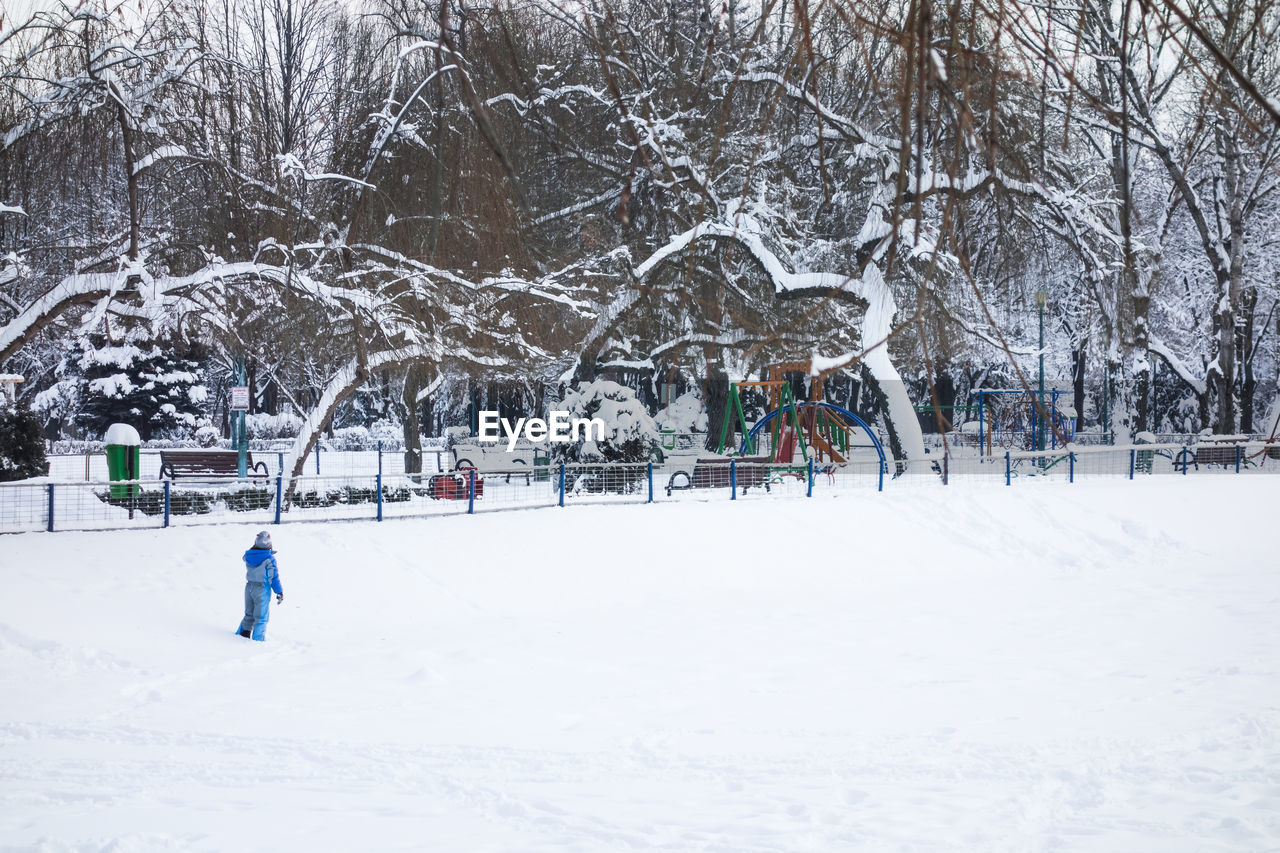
(157, 388)
(22, 453)
(630, 434)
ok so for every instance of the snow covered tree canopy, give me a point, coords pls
(343, 193)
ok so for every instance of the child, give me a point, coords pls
(262, 577)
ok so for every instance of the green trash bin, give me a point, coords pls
(124, 458)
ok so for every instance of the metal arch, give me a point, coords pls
(750, 438)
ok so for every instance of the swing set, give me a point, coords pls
(798, 431)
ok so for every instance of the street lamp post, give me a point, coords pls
(1042, 296)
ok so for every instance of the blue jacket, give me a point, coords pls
(260, 567)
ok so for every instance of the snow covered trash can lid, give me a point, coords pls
(122, 434)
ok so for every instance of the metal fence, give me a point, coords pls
(62, 504)
(91, 465)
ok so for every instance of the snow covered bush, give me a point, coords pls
(266, 427)
(456, 435)
(630, 435)
(386, 431)
(207, 436)
(351, 438)
(685, 414)
(21, 443)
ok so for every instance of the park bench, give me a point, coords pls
(713, 473)
(1219, 451)
(206, 464)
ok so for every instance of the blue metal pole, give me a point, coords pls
(380, 487)
(1008, 470)
(1237, 459)
(880, 488)
(280, 462)
(810, 478)
(1071, 462)
(166, 502)
(561, 484)
(1133, 459)
(279, 495)
(317, 459)
(733, 480)
(51, 507)
(650, 482)
(471, 491)
(1186, 459)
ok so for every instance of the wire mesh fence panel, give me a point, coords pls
(1260, 457)
(967, 468)
(859, 476)
(762, 481)
(511, 488)
(618, 483)
(222, 501)
(24, 507)
(922, 473)
(1104, 463)
(98, 506)
(330, 498)
(694, 477)
(1040, 466)
(408, 496)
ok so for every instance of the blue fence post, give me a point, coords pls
(1008, 470)
(379, 481)
(279, 495)
(1237, 459)
(51, 507)
(946, 469)
(166, 502)
(882, 466)
(1071, 466)
(280, 462)
(650, 482)
(1186, 459)
(1133, 459)
(561, 484)
(810, 494)
(733, 480)
(471, 491)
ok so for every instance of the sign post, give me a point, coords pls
(239, 407)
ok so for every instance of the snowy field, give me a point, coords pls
(1066, 668)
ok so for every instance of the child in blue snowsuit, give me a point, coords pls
(262, 577)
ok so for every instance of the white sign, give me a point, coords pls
(240, 398)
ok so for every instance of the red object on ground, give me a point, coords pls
(454, 486)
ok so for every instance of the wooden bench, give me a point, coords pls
(207, 464)
(713, 473)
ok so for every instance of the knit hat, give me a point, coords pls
(263, 542)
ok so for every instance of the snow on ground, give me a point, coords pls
(1075, 667)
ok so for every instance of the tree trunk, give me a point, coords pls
(716, 396)
(412, 432)
(131, 177)
(1078, 364)
(1249, 385)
